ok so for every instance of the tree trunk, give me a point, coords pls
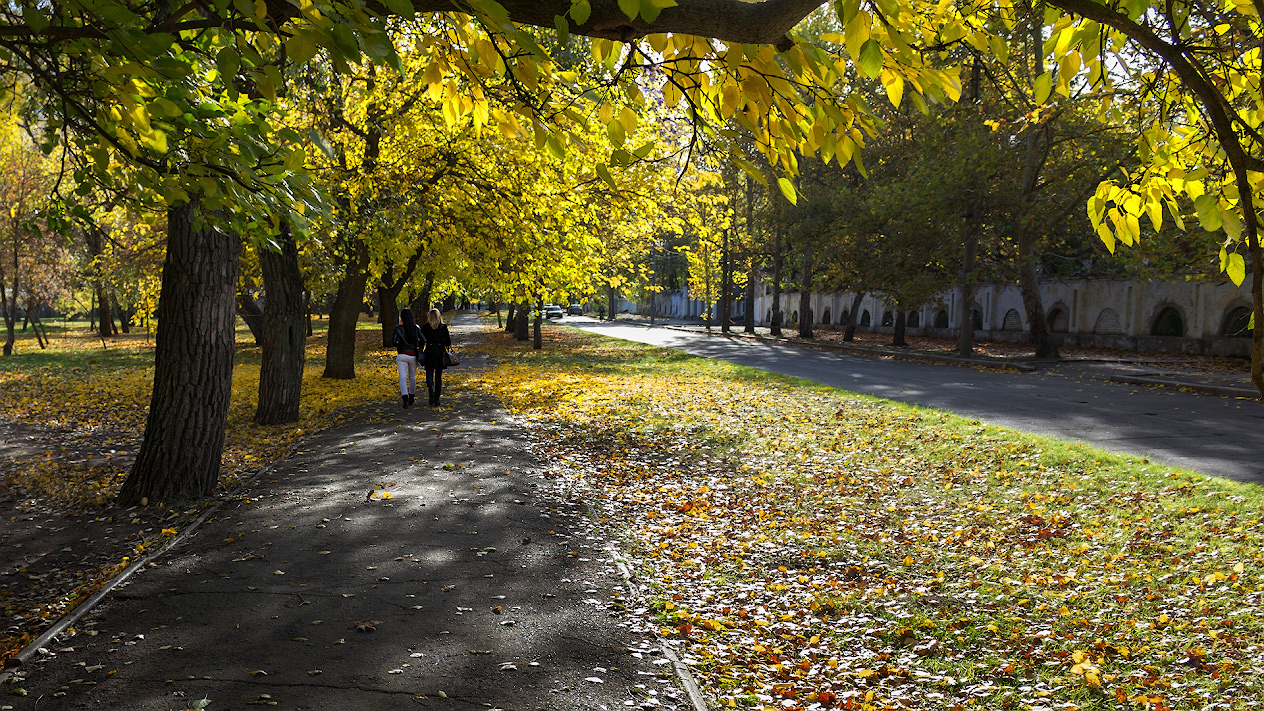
(726, 285)
(390, 312)
(10, 308)
(307, 310)
(284, 334)
(510, 318)
(179, 457)
(421, 304)
(250, 312)
(1257, 307)
(748, 318)
(853, 315)
(775, 327)
(340, 349)
(901, 320)
(805, 292)
(612, 301)
(538, 343)
(449, 303)
(521, 325)
(1033, 159)
(1029, 285)
(965, 335)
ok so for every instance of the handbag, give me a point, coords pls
(449, 360)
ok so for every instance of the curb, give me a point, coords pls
(1221, 390)
(81, 610)
(696, 696)
(904, 355)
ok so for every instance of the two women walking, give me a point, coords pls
(428, 345)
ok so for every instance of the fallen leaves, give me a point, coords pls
(814, 549)
(367, 625)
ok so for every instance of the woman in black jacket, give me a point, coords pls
(408, 341)
(438, 341)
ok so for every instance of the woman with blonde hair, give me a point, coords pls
(438, 341)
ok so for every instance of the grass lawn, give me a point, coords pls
(809, 547)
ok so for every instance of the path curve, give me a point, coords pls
(1214, 435)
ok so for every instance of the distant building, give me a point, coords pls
(1193, 317)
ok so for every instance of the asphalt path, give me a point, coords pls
(1211, 434)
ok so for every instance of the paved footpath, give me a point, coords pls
(1211, 434)
(476, 585)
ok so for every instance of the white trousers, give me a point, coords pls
(407, 373)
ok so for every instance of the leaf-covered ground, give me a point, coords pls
(74, 415)
(813, 548)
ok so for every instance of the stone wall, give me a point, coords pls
(1170, 317)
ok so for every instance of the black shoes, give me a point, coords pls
(404, 401)
(411, 399)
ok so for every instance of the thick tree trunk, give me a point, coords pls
(901, 321)
(421, 304)
(510, 318)
(1029, 286)
(805, 292)
(105, 320)
(449, 303)
(390, 312)
(853, 315)
(284, 334)
(538, 343)
(180, 454)
(775, 327)
(307, 311)
(611, 301)
(340, 350)
(521, 325)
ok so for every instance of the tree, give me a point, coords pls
(25, 179)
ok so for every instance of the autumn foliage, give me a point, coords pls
(812, 548)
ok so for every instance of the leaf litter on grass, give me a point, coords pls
(811, 548)
(84, 408)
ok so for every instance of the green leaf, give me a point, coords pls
(604, 172)
(403, 8)
(377, 45)
(630, 8)
(228, 63)
(787, 189)
(563, 28)
(871, 58)
(35, 19)
(1235, 268)
(651, 8)
(1042, 87)
(301, 47)
(319, 141)
(555, 146)
(581, 11)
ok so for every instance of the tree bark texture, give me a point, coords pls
(775, 327)
(340, 350)
(901, 323)
(251, 313)
(805, 291)
(853, 315)
(389, 311)
(284, 343)
(179, 457)
(510, 318)
(521, 325)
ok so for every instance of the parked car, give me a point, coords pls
(575, 310)
(552, 311)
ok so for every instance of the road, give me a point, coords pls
(1211, 434)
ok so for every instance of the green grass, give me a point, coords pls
(821, 545)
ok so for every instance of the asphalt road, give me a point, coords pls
(1211, 434)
